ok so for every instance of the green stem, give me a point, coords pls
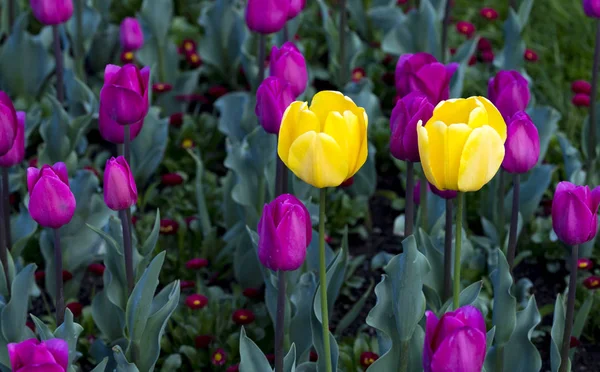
(58, 280)
(323, 281)
(500, 358)
(409, 210)
(423, 202)
(566, 341)
(3, 239)
(514, 221)
(592, 122)
(200, 197)
(161, 63)
(6, 200)
(404, 351)
(78, 48)
(58, 55)
(457, 247)
(500, 207)
(280, 321)
(125, 217)
(261, 195)
(448, 251)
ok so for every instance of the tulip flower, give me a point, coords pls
(51, 202)
(509, 92)
(462, 145)
(124, 96)
(243, 317)
(219, 357)
(267, 16)
(422, 72)
(52, 12)
(585, 264)
(32, 355)
(591, 8)
(284, 231)
(131, 34)
(522, 146)
(112, 131)
(574, 209)
(465, 28)
(326, 143)
(16, 153)
(120, 191)
(456, 342)
(273, 96)
(196, 263)
(203, 341)
(445, 194)
(196, 301)
(9, 124)
(367, 358)
(581, 86)
(406, 114)
(581, 100)
(288, 64)
(296, 6)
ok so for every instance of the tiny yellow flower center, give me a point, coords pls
(243, 317)
(358, 75)
(464, 29)
(595, 282)
(188, 46)
(166, 228)
(218, 357)
(129, 56)
(187, 143)
(583, 265)
(194, 58)
(197, 302)
(160, 86)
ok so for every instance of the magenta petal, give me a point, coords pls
(60, 169)
(51, 203)
(463, 350)
(47, 367)
(19, 352)
(471, 317)
(145, 74)
(123, 105)
(268, 244)
(291, 235)
(109, 73)
(431, 80)
(572, 219)
(595, 199)
(59, 348)
(33, 174)
(131, 181)
(446, 326)
(17, 152)
(431, 322)
(114, 132)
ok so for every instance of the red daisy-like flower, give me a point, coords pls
(76, 308)
(186, 284)
(188, 143)
(465, 28)
(489, 13)
(487, 56)
(194, 60)
(243, 317)
(30, 325)
(217, 91)
(66, 275)
(176, 120)
(96, 268)
(189, 220)
(203, 341)
(33, 162)
(581, 100)
(472, 60)
(219, 357)
(358, 74)
(581, 86)
(313, 356)
(592, 282)
(530, 55)
(251, 293)
(188, 46)
(134, 219)
(484, 44)
(452, 51)
(196, 301)
(168, 226)
(584, 264)
(349, 182)
(196, 263)
(271, 358)
(367, 358)
(233, 368)
(162, 87)
(127, 57)
(574, 342)
(39, 275)
(171, 179)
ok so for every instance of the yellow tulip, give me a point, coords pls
(462, 145)
(325, 143)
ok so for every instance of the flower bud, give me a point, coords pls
(120, 191)
(574, 213)
(131, 35)
(267, 16)
(273, 96)
(421, 72)
(288, 64)
(17, 152)
(409, 110)
(509, 92)
(591, 8)
(522, 146)
(52, 12)
(8, 124)
(51, 202)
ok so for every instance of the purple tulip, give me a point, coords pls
(8, 123)
(51, 202)
(288, 64)
(444, 194)
(131, 35)
(522, 146)
(509, 91)
(296, 6)
(52, 12)
(267, 16)
(574, 209)
(456, 342)
(591, 8)
(112, 131)
(407, 113)
(16, 154)
(34, 356)
(284, 231)
(120, 191)
(421, 72)
(273, 97)
(124, 96)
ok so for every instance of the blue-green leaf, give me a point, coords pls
(252, 358)
(505, 304)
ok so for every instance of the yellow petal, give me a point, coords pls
(481, 158)
(456, 137)
(453, 111)
(297, 120)
(358, 148)
(432, 144)
(328, 100)
(336, 127)
(318, 160)
(478, 117)
(495, 119)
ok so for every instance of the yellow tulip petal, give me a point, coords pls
(328, 100)
(495, 119)
(456, 137)
(453, 111)
(436, 149)
(358, 149)
(337, 127)
(478, 117)
(317, 159)
(481, 158)
(424, 154)
(296, 120)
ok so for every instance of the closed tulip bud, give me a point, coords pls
(17, 152)
(324, 144)
(124, 96)
(284, 231)
(131, 35)
(462, 145)
(267, 16)
(51, 202)
(52, 12)
(574, 213)
(9, 124)
(522, 146)
(445, 194)
(421, 72)
(120, 191)
(509, 92)
(411, 109)
(32, 355)
(456, 342)
(591, 8)
(296, 6)
(288, 63)
(273, 96)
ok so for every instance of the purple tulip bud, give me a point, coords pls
(52, 12)
(591, 8)
(120, 191)
(112, 131)
(456, 342)
(32, 355)
(421, 72)
(296, 6)
(51, 202)
(574, 209)
(132, 36)
(284, 231)
(509, 91)
(8, 123)
(522, 146)
(288, 64)
(267, 16)
(124, 96)
(16, 154)
(444, 194)
(273, 97)
(407, 113)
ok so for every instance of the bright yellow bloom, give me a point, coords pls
(325, 143)
(462, 145)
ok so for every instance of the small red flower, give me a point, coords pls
(233, 368)
(30, 325)
(203, 341)
(169, 227)
(188, 143)
(349, 182)
(375, 44)
(76, 308)
(584, 264)
(219, 357)
(581, 100)
(66, 276)
(574, 342)
(40, 275)
(271, 358)
(358, 74)
(297, 37)
(186, 284)
(489, 13)
(127, 57)
(592, 282)
(92, 169)
(401, 2)
(452, 51)
(327, 239)
(465, 28)
(367, 358)
(196, 263)
(313, 356)
(96, 268)
(243, 317)
(530, 55)
(171, 179)
(581, 86)
(33, 162)
(487, 56)
(196, 301)
(134, 219)
(217, 91)
(251, 292)
(472, 60)
(162, 87)
(176, 120)
(194, 60)
(484, 44)
(188, 46)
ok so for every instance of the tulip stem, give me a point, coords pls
(409, 212)
(286, 33)
(445, 24)
(500, 358)
(513, 4)
(58, 280)
(125, 217)
(594, 96)
(262, 45)
(566, 341)
(11, 15)
(281, 178)
(280, 321)
(6, 209)
(127, 144)
(448, 252)
(423, 203)
(58, 55)
(457, 245)
(323, 280)
(78, 49)
(3, 250)
(514, 222)
(500, 206)
(342, 35)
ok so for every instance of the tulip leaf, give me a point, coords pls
(172, 363)
(580, 319)
(252, 358)
(511, 55)
(22, 228)
(91, 19)
(467, 296)
(123, 365)
(14, 315)
(546, 120)
(301, 298)
(354, 312)
(520, 354)
(358, 16)
(557, 332)
(41, 328)
(150, 243)
(108, 317)
(435, 256)
(505, 305)
(237, 118)
(103, 43)
(571, 157)
(148, 148)
(532, 191)
(385, 17)
(69, 331)
(158, 14)
(101, 366)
